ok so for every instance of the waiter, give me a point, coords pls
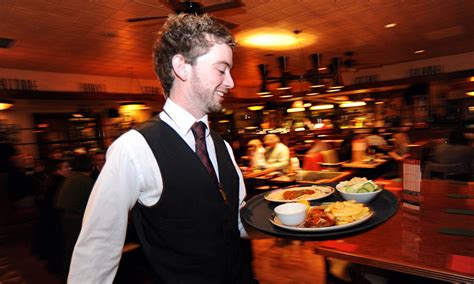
(177, 177)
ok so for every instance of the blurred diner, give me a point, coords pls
(255, 154)
(277, 154)
(376, 142)
(453, 159)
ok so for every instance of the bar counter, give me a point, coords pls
(435, 242)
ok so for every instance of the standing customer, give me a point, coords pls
(185, 208)
(71, 203)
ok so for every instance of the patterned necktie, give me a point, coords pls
(199, 132)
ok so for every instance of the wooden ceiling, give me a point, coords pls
(93, 36)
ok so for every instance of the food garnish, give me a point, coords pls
(357, 185)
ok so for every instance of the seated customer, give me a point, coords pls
(374, 140)
(256, 154)
(400, 145)
(277, 154)
(456, 152)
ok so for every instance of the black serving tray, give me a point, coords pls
(258, 211)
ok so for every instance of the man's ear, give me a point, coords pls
(180, 67)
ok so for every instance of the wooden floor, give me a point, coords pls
(274, 260)
(281, 261)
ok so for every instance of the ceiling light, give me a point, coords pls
(286, 96)
(269, 95)
(470, 93)
(419, 51)
(322, 107)
(332, 90)
(264, 93)
(5, 104)
(275, 41)
(391, 25)
(255, 108)
(297, 104)
(132, 106)
(312, 94)
(352, 104)
(295, 109)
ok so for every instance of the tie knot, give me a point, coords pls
(199, 130)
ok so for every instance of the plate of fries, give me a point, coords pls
(342, 214)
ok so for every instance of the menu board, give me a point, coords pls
(411, 195)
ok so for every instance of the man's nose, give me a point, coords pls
(228, 81)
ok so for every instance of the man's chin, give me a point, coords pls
(217, 107)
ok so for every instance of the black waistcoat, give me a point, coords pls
(190, 235)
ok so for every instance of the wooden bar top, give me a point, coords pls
(412, 242)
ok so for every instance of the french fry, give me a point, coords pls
(347, 211)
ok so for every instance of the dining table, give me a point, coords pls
(435, 241)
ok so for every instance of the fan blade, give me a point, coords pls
(229, 25)
(132, 20)
(222, 6)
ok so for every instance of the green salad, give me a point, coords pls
(357, 185)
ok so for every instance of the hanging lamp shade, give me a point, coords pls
(264, 75)
(5, 104)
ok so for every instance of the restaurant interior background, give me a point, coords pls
(77, 73)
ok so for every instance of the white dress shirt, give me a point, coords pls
(278, 157)
(131, 174)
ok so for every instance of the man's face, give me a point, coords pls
(64, 169)
(211, 78)
(270, 143)
(99, 161)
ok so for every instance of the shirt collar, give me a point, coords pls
(182, 118)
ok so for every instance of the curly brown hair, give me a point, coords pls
(188, 35)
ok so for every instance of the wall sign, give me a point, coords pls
(92, 88)
(18, 84)
(151, 90)
(426, 70)
(366, 79)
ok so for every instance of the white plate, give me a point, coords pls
(320, 192)
(274, 220)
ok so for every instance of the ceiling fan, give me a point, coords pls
(352, 64)
(194, 8)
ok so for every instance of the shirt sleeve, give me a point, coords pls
(99, 247)
(242, 190)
